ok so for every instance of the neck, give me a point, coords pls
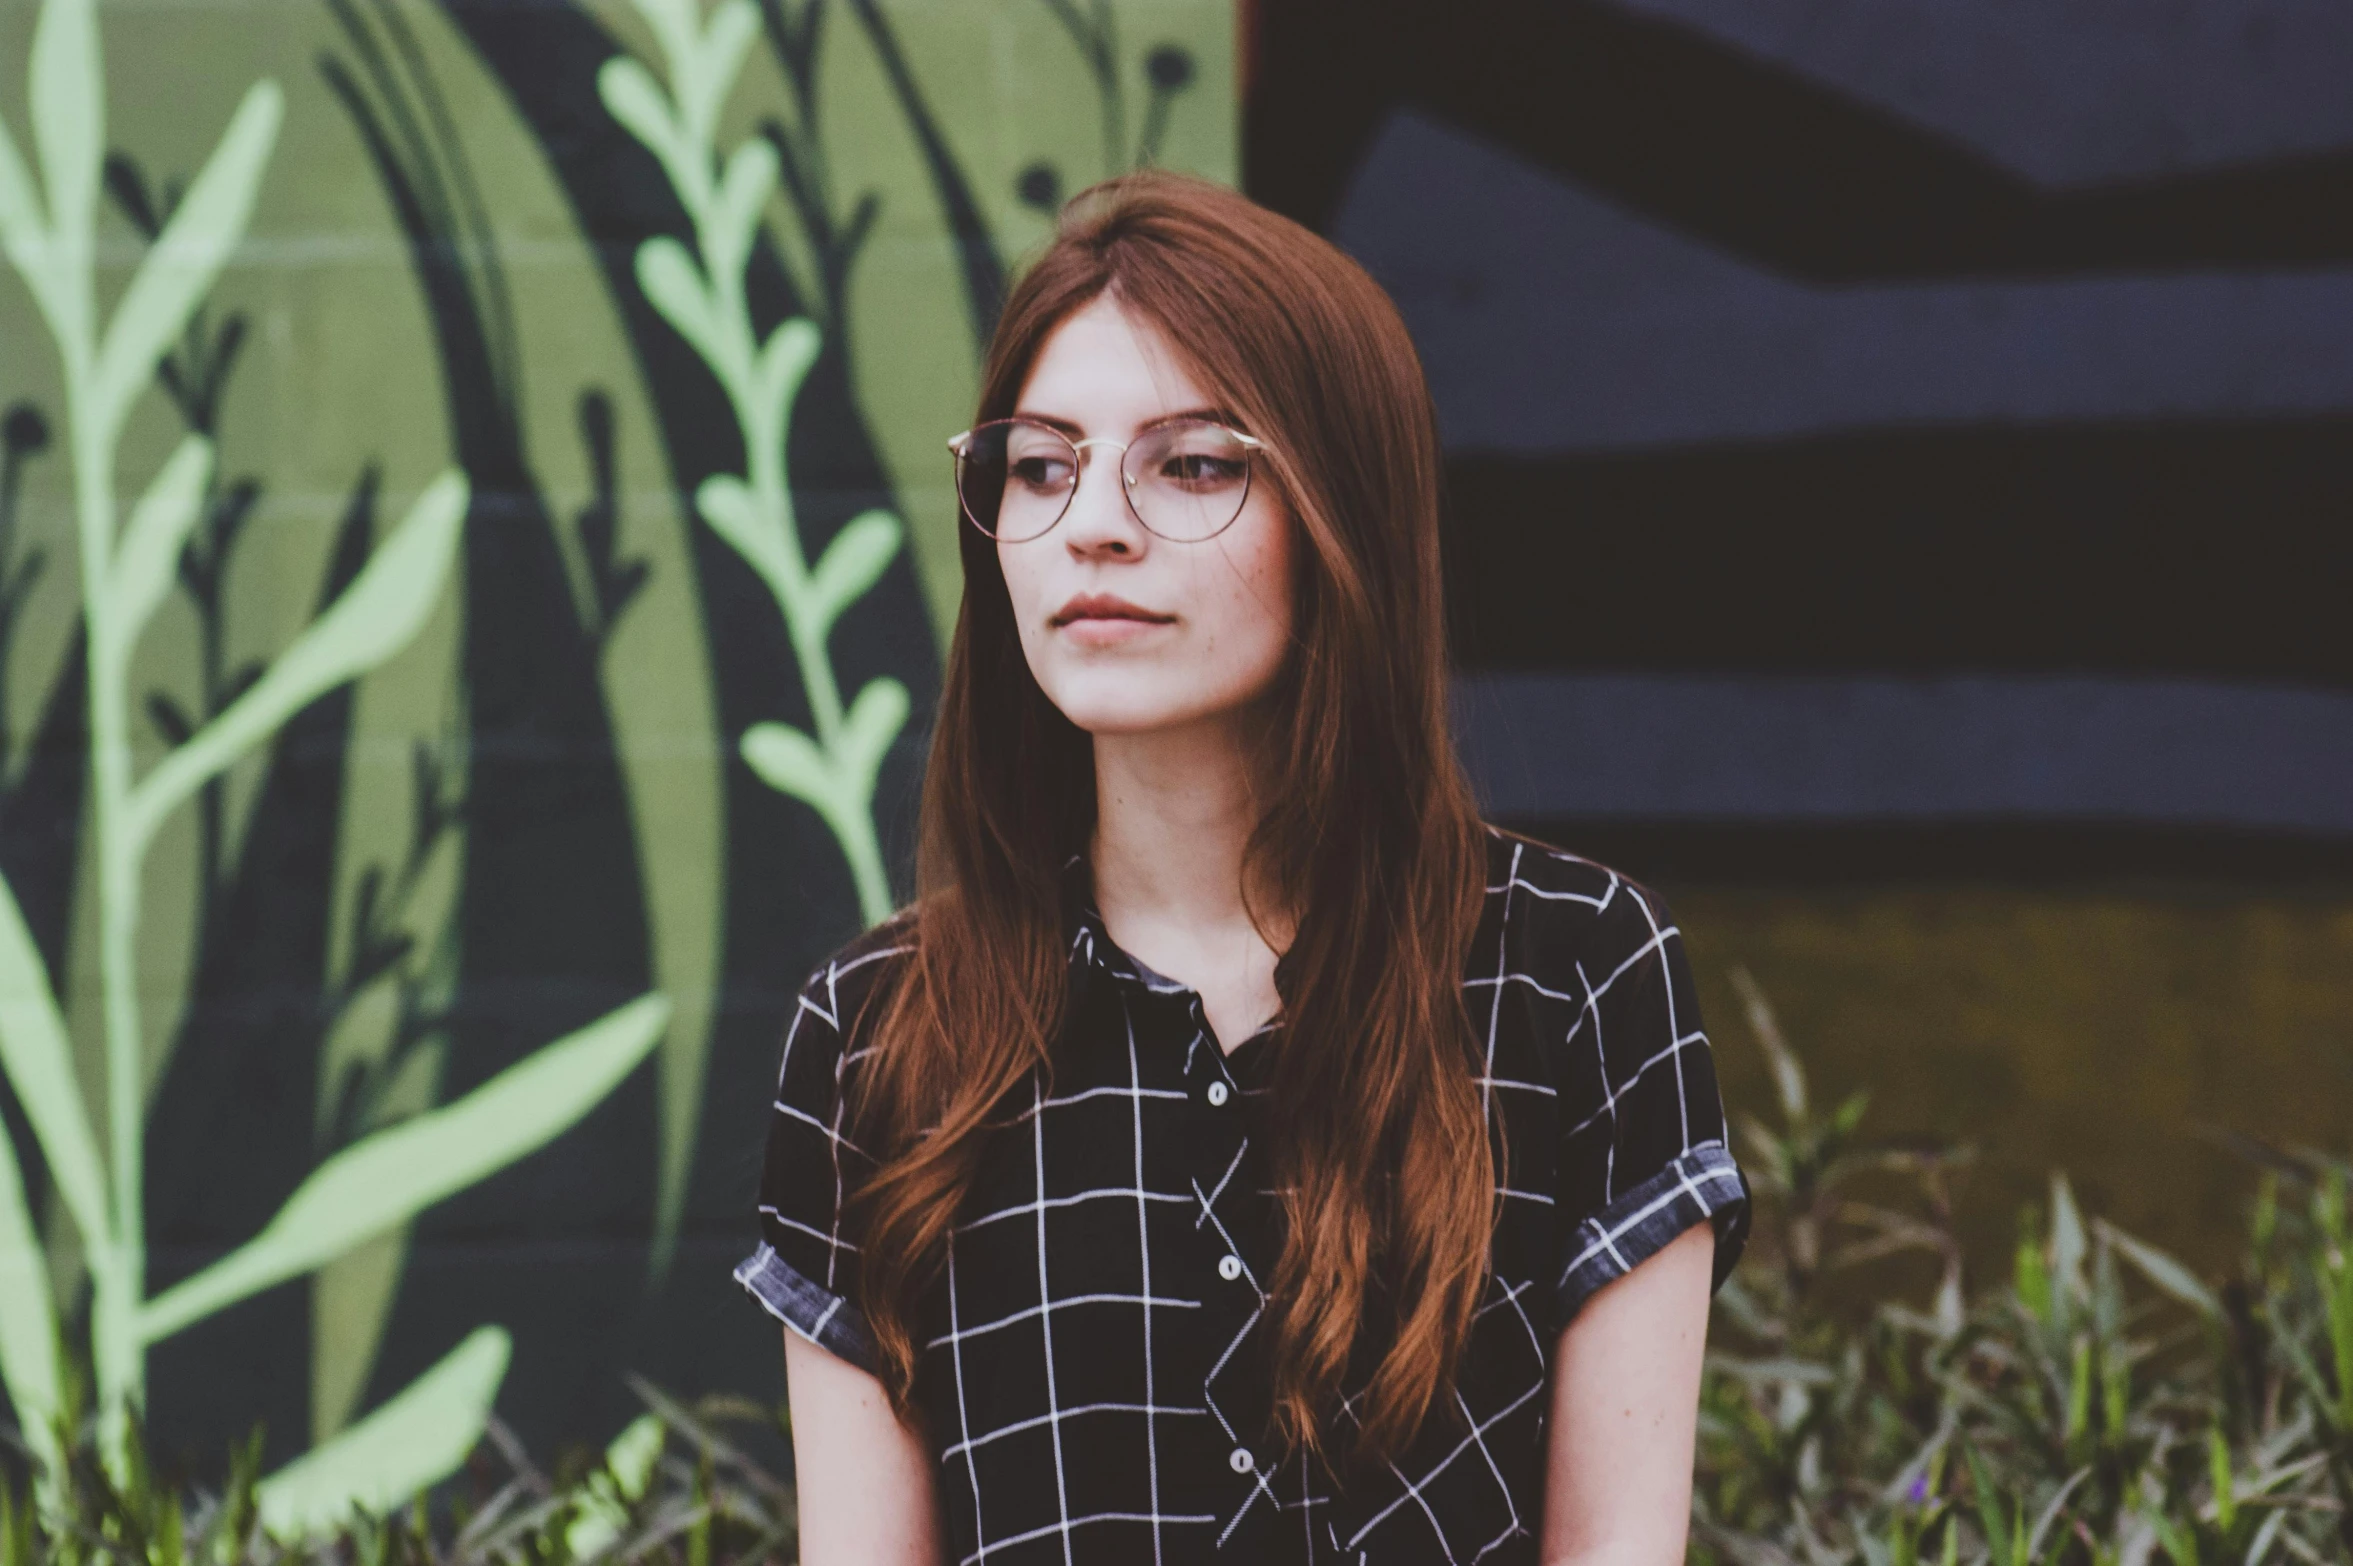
(1173, 815)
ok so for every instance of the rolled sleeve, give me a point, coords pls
(804, 1271)
(1644, 1156)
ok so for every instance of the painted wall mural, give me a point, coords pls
(474, 552)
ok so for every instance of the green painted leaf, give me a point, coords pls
(414, 1441)
(790, 762)
(706, 80)
(186, 258)
(150, 550)
(853, 562)
(735, 213)
(674, 284)
(776, 380)
(632, 97)
(28, 1318)
(39, 1057)
(68, 93)
(23, 228)
(733, 511)
(873, 721)
(376, 616)
(397, 1172)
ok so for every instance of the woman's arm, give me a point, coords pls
(865, 1480)
(1625, 1413)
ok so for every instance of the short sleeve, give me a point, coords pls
(805, 1269)
(1644, 1154)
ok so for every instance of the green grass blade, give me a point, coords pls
(376, 616)
(403, 1169)
(38, 1057)
(411, 1443)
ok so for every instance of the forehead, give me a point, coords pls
(1110, 372)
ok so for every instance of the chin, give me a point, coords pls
(1122, 707)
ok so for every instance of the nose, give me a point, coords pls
(1100, 523)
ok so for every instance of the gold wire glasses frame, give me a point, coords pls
(1185, 480)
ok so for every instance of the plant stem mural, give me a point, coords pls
(334, 647)
(702, 296)
(127, 566)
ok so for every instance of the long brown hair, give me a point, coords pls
(1369, 834)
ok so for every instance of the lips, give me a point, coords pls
(1105, 606)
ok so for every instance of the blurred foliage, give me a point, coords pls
(1865, 1403)
(2101, 1404)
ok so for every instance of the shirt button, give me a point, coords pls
(1241, 1461)
(1217, 1097)
(1229, 1267)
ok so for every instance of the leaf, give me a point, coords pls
(629, 1468)
(776, 379)
(412, 1442)
(28, 1318)
(705, 80)
(141, 572)
(373, 618)
(2170, 1276)
(675, 286)
(733, 511)
(632, 97)
(735, 211)
(2068, 1246)
(1789, 1078)
(22, 225)
(396, 1173)
(38, 1054)
(68, 93)
(853, 562)
(789, 761)
(873, 721)
(181, 266)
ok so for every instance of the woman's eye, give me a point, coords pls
(1201, 470)
(1041, 473)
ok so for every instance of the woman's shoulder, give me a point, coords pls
(1568, 910)
(837, 990)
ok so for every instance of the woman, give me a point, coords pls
(1237, 1151)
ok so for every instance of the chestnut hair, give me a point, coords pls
(1369, 833)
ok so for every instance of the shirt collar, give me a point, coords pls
(1092, 950)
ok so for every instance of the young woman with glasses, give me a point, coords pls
(1238, 1150)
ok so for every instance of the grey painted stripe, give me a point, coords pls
(1737, 748)
(1550, 320)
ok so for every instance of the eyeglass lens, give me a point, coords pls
(1186, 481)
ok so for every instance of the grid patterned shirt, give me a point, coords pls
(1092, 1380)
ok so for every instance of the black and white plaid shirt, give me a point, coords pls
(1091, 1380)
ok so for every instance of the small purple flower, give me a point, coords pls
(1917, 1491)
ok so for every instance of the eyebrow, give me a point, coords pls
(1077, 431)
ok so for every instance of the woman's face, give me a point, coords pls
(1128, 632)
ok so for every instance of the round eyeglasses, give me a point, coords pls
(1185, 480)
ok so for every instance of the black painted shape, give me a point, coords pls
(976, 247)
(1791, 175)
(789, 898)
(551, 909)
(231, 1131)
(2134, 549)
